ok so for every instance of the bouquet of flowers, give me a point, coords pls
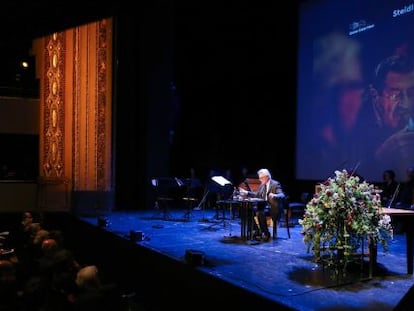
(340, 217)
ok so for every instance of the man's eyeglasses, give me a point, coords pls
(396, 95)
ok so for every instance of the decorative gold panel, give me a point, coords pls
(76, 108)
(53, 124)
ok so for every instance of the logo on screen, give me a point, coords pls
(406, 9)
(359, 26)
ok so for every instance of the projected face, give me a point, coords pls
(355, 91)
(395, 86)
(397, 99)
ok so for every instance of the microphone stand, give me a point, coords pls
(203, 219)
(355, 168)
(393, 196)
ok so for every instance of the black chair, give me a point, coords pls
(297, 208)
(163, 191)
(284, 209)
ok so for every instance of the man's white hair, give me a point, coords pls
(264, 171)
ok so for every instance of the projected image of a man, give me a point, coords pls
(394, 103)
(394, 106)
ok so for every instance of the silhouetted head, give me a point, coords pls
(88, 278)
(388, 175)
(410, 173)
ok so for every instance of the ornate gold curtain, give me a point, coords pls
(75, 71)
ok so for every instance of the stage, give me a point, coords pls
(177, 256)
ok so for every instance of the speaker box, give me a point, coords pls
(135, 236)
(195, 258)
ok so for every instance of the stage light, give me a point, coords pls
(24, 64)
(102, 222)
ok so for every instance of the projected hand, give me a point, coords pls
(399, 146)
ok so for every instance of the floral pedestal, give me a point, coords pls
(342, 220)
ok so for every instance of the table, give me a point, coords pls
(246, 214)
(230, 203)
(407, 217)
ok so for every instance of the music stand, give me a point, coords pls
(223, 183)
(221, 180)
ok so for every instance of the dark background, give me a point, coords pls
(235, 67)
(197, 84)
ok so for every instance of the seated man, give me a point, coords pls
(92, 294)
(271, 191)
(405, 199)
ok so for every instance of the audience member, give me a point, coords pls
(23, 232)
(46, 262)
(66, 269)
(40, 236)
(271, 191)
(93, 294)
(9, 300)
(34, 244)
(38, 284)
(48, 277)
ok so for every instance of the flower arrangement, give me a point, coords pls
(340, 217)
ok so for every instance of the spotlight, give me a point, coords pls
(24, 64)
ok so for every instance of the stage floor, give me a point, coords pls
(280, 270)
